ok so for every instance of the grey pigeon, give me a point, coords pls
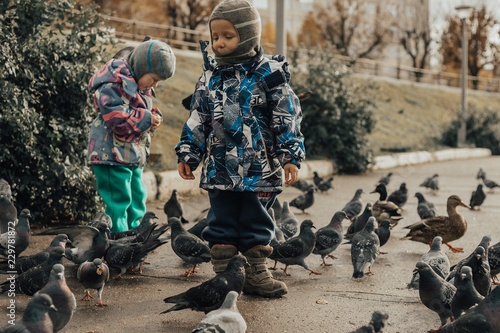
(435, 293)
(494, 260)
(359, 222)
(87, 242)
(482, 318)
(303, 201)
(21, 238)
(303, 185)
(62, 297)
(437, 260)
(23, 263)
(210, 295)
(173, 208)
(277, 208)
(425, 208)
(477, 198)
(325, 185)
(329, 237)
(317, 179)
(146, 223)
(354, 206)
(480, 173)
(365, 247)
(295, 250)
(288, 222)
(8, 212)
(481, 274)
(190, 248)
(101, 217)
(385, 179)
(93, 275)
(376, 324)
(278, 234)
(431, 183)
(399, 196)
(466, 295)
(35, 318)
(226, 319)
(36, 278)
(489, 183)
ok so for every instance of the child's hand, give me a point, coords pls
(156, 121)
(185, 171)
(291, 173)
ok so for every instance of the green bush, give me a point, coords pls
(48, 54)
(483, 130)
(338, 116)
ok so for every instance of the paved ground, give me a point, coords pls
(330, 302)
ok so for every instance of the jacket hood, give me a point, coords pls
(115, 71)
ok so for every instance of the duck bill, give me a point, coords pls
(464, 205)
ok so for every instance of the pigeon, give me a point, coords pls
(8, 212)
(481, 273)
(490, 184)
(143, 227)
(35, 318)
(325, 185)
(382, 205)
(87, 242)
(295, 250)
(288, 223)
(21, 237)
(36, 278)
(354, 206)
(431, 183)
(303, 185)
(198, 228)
(436, 259)
(226, 319)
(435, 293)
(425, 208)
(277, 208)
(365, 247)
(328, 238)
(494, 261)
(93, 275)
(480, 174)
(210, 295)
(359, 222)
(376, 324)
(455, 269)
(190, 248)
(400, 196)
(383, 232)
(466, 294)
(303, 201)
(62, 297)
(482, 318)
(317, 179)
(173, 208)
(477, 197)
(278, 234)
(101, 217)
(385, 179)
(23, 263)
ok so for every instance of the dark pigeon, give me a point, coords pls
(62, 297)
(36, 278)
(480, 173)
(425, 208)
(146, 222)
(481, 273)
(365, 247)
(35, 318)
(317, 179)
(435, 293)
(466, 295)
(477, 198)
(399, 196)
(437, 260)
(385, 179)
(173, 208)
(22, 236)
(101, 217)
(494, 260)
(329, 237)
(303, 201)
(198, 228)
(226, 319)
(277, 208)
(383, 232)
(354, 206)
(303, 185)
(489, 183)
(431, 183)
(8, 212)
(93, 275)
(325, 185)
(288, 222)
(210, 295)
(359, 222)
(376, 324)
(295, 250)
(190, 248)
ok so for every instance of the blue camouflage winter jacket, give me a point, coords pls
(244, 124)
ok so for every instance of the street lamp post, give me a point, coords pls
(463, 14)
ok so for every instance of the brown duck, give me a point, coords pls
(450, 228)
(383, 208)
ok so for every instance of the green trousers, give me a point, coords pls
(124, 194)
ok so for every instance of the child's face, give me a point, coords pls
(225, 38)
(148, 80)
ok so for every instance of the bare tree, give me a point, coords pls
(483, 50)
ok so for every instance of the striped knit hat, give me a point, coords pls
(153, 56)
(246, 20)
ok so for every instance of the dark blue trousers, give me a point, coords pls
(239, 219)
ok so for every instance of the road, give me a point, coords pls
(330, 302)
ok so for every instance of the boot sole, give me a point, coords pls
(274, 294)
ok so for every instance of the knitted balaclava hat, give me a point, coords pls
(153, 56)
(246, 20)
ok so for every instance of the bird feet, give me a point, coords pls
(87, 296)
(455, 249)
(313, 272)
(100, 303)
(332, 256)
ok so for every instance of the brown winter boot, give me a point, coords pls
(259, 280)
(221, 254)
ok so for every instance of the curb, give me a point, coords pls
(161, 184)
